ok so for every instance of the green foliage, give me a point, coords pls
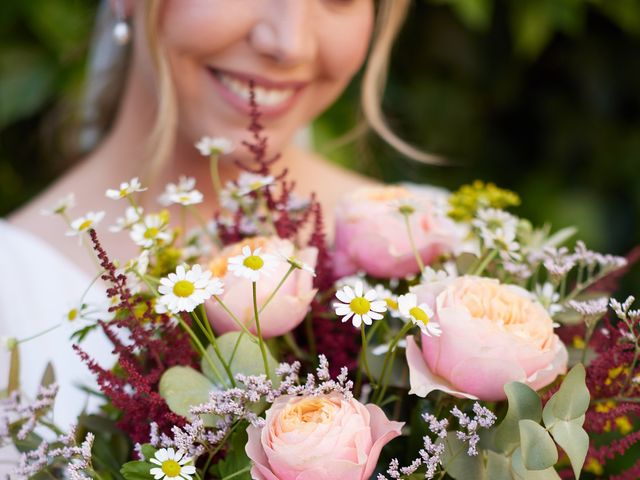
(236, 463)
(457, 463)
(241, 354)
(524, 404)
(572, 399)
(538, 450)
(183, 388)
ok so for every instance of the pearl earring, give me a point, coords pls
(121, 31)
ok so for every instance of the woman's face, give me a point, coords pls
(301, 54)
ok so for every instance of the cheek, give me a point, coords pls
(344, 42)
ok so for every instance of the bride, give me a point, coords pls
(189, 63)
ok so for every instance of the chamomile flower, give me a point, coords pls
(171, 464)
(82, 224)
(187, 198)
(61, 206)
(389, 298)
(251, 264)
(493, 219)
(299, 264)
(126, 189)
(250, 182)
(420, 315)
(359, 306)
(184, 290)
(183, 193)
(138, 265)
(208, 146)
(132, 216)
(548, 297)
(152, 231)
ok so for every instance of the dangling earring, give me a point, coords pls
(121, 32)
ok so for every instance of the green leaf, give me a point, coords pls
(538, 450)
(519, 472)
(148, 450)
(184, 387)
(397, 375)
(136, 470)
(524, 403)
(497, 466)
(573, 396)
(573, 440)
(241, 354)
(49, 375)
(457, 463)
(236, 464)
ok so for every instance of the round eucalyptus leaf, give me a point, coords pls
(539, 452)
(573, 396)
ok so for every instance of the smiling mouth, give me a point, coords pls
(273, 98)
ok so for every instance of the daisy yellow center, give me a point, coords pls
(123, 192)
(254, 262)
(171, 468)
(360, 305)
(183, 288)
(84, 225)
(419, 314)
(255, 185)
(150, 233)
(72, 315)
(391, 303)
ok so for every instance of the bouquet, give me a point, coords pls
(440, 337)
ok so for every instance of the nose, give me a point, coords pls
(284, 33)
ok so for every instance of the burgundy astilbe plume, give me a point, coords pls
(146, 345)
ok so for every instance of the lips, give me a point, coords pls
(272, 97)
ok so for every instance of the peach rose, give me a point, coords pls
(285, 311)
(319, 438)
(492, 334)
(371, 234)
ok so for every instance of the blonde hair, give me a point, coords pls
(390, 17)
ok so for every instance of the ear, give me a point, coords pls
(122, 7)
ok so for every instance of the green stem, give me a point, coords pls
(256, 313)
(200, 348)
(290, 340)
(484, 263)
(215, 174)
(389, 356)
(205, 326)
(242, 326)
(275, 291)
(363, 355)
(239, 472)
(39, 334)
(413, 243)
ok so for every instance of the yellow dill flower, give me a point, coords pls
(468, 199)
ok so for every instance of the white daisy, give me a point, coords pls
(299, 264)
(61, 206)
(184, 290)
(493, 219)
(187, 198)
(359, 306)
(172, 464)
(173, 191)
(82, 224)
(152, 231)
(251, 265)
(421, 314)
(389, 298)
(132, 216)
(230, 197)
(208, 146)
(139, 265)
(250, 182)
(126, 189)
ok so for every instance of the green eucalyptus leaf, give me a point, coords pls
(573, 440)
(573, 396)
(519, 472)
(497, 467)
(240, 353)
(184, 387)
(136, 470)
(457, 463)
(538, 450)
(524, 403)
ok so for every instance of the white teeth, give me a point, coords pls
(264, 96)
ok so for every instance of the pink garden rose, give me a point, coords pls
(285, 311)
(319, 438)
(492, 334)
(371, 234)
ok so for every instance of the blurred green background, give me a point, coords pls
(539, 96)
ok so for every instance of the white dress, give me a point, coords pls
(38, 287)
